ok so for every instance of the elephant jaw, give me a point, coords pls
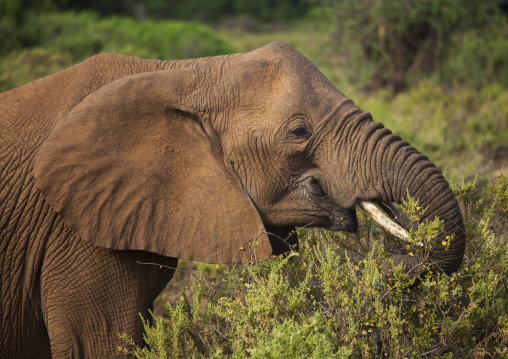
(384, 220)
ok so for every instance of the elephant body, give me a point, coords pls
(114, 168)
(47, 272)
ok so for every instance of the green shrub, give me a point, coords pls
(389, 43)
(477, 59)
(84, 34)
(21, 67)
(202, 10)
(330, 299)
(293, 340)
(61, 39)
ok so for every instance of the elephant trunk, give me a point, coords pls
(393, 170)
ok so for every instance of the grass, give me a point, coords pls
(62, 39)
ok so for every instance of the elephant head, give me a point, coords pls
(204, 160)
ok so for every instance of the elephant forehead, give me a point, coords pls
(283, 56)
(285, 85)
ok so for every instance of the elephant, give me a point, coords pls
(117, 162)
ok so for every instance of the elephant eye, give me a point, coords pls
(299, 131)
(316, 188)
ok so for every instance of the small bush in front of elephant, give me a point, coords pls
(329, 301)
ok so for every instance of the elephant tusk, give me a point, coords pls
(386, 222)
(400, 216)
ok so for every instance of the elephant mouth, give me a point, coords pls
(344, 219)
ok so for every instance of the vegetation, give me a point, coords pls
(263, 10)
(330, 299)
(396, 41)
(61, 39)
(435, 72)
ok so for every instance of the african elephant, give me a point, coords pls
(119, 161)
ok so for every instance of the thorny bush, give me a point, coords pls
(329, 299)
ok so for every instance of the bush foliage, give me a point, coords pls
(202, 10)
(330, 299)
(151, 39)
(60, 39)
(393, 43)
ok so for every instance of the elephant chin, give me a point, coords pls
(344, 220)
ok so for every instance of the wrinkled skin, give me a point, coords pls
(118, 162)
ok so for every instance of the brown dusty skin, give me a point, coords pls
(118, 161)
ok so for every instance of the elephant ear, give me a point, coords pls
(136, 165)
